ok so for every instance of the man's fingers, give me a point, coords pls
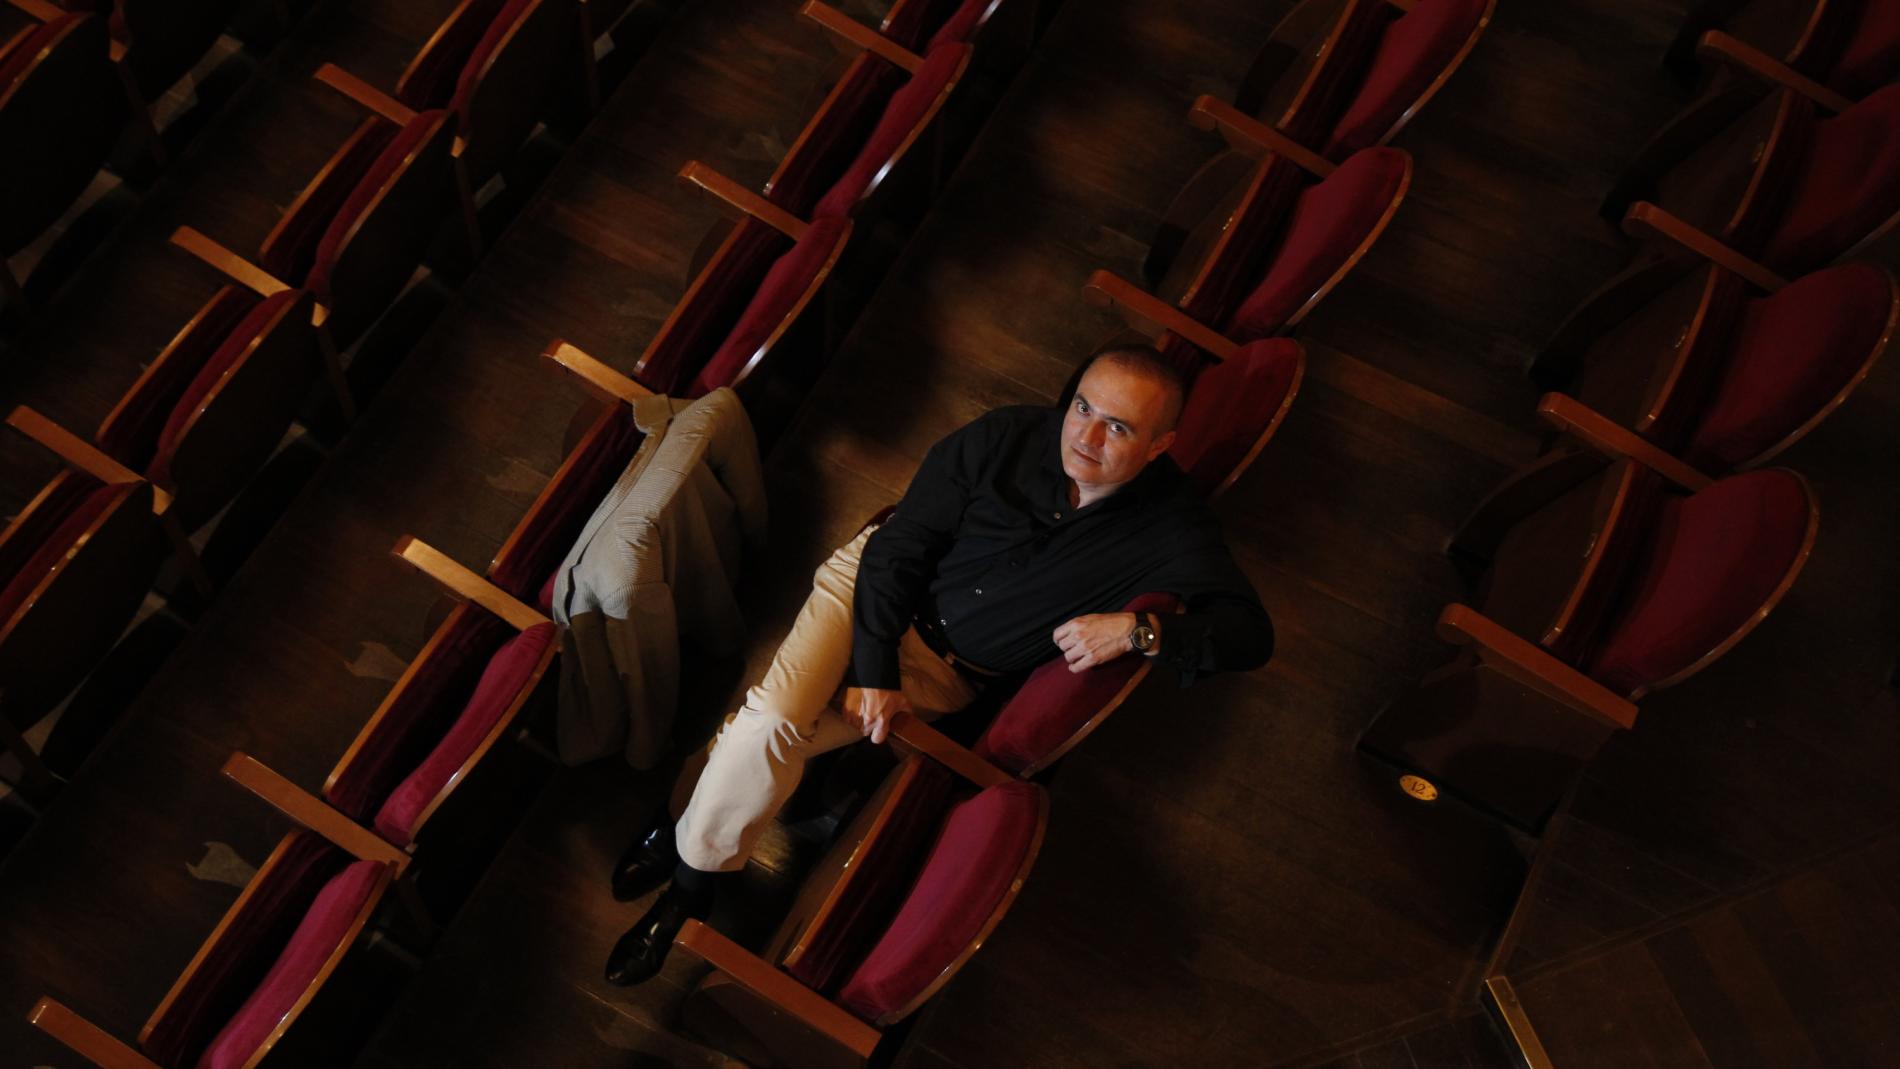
(879, 730)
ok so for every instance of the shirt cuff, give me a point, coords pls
(874, 662)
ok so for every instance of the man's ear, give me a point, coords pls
(1160, 445)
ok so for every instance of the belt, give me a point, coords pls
(931, 631)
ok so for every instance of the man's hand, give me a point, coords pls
(1087, 641)
(870, 710)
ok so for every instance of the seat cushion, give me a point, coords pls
(470, 78)
(1871, 56)
(717, 299)
(222, 360)
(527, 565)
(131, 433)
(1414, 50)
(363, 195)
(971, 867)
(67, 513)
(1711, 563)
(1792, 353)
(508, 672)
(1055, 703)
(431, 80)
(921, 25)
(1845, 185)
(788, 282)
(23, 49)
(324, 928)
(1330, 220)
(1229, 406)
(906, 110)
(292, 248)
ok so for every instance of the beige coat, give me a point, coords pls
(657, 563)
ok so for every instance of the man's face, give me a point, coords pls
(1113, 426)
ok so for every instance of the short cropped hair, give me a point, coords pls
(1147, 362)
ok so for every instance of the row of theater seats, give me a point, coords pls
(936, 857)
(1650, 538)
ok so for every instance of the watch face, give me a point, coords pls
(1144, 637)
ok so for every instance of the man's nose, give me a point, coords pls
(1095, 434)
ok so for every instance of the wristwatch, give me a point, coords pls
(1143, 637)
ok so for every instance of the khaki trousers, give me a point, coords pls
(755, 762)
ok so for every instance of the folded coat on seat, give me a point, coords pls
(656, 564)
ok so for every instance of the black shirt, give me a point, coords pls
(986, 541)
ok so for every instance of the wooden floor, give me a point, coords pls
(1225, 881)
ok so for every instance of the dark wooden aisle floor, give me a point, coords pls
(1225, 882)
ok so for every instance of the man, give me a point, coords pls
(1017, 541)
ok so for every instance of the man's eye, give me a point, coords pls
(1081, 405)
(1118, 428)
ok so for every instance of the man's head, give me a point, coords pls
(1121, 417)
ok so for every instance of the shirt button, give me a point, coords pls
(1058, 515)
(979, 590)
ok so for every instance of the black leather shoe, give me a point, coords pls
(648, 863)
(638, 955)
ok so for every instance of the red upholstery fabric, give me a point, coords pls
(1711, 562)
(1844, 185)
(323, 928)
(900, 120)
(1331, 219)
(876, 883)
(1413, 51)
(543, 537)
(64, 517)
(1248, 236)
(17, 58)
(420, 712)
(789, 280)
(834, 136)
(962, 23)
(1229, 407)
(292, 255)
(222, 360)
(1329, 86)
(704, 319)
(386, 164)
(969, 869)
(1793, 352)
(132, 437)
(921, 25)
(436, 72)
(235, 964)
(498, 27)
(1055, 703)
(1871, 57)
(501, 683)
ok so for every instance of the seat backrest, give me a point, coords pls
(1793, 357)
(61, 109)
(904, 119)
(835, 134)
(233, 966)
(921, 25)
(508, 77)
(416, 713)
(1233, 407)
(525, 564)
(1867, 46)
(851, 896)
(1221, 256)
(967, 881)
(1309, 93)
(430, 79)
(290, 249)
(1415, 55)
(1713, 565)
(1735, 184)
(1844, 189)
(713, 303)
(76, 563)
(783, 294)
(1651, 371)
(1055, 709)
(1332, 224)
(166, 38)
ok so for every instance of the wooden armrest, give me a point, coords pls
(601, 381)
(1144, 310)
(86, 1039)
(1646, 220)
(366, 95)
(1594, 429)
(81, 454)
(464, 584)
(310, 811)
(740, 202)
(755, 975)
(923, 738)
(1534, 667)
(852, 34)
(230, 264)
(1747, 59)
(39, 10)
(1252, 137)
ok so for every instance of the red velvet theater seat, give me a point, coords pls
(1845, 186)
(908, 893)
(1413, 56)
(1850, 46)
(923, 25)
(274, 952)
(1597, 594)
(903, 120)
(1233, 406)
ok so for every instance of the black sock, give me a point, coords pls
(697, 885)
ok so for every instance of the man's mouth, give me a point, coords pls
(1084, 456)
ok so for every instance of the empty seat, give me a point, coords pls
(917, 883)
(1598, 593)
(161, 40)
(1850, 46)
